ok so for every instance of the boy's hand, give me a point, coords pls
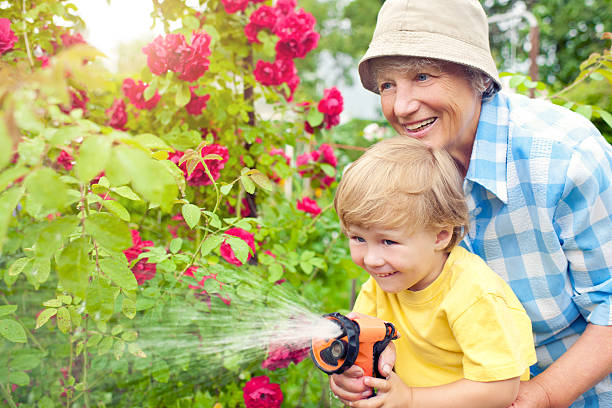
(390, 392)
(349, 386)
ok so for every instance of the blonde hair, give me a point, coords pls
(402, 183)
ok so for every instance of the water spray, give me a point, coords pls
(361, 342)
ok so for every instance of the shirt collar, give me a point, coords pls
(489, 154)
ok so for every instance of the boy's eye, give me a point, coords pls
(358, 239)
(422, 77)
(389, 242)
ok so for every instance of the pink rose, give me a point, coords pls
(7, 36)
(197, 103)
(332, 102)
(308, 205)
(260, 393)
(135, 93)
(226, 250)
(143, 271)
(117, 115)
(156, 56)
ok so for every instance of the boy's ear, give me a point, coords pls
(443, 237)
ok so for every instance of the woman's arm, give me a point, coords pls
(582, 366)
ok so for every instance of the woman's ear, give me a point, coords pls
(443, 237)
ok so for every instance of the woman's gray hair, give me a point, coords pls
(481, 83)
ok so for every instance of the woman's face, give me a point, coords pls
(434, 103)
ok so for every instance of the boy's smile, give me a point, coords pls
(398, 260)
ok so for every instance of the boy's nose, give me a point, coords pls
(373, 259)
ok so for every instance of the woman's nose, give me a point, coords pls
(406, 102)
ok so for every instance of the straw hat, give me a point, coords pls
(450, 30)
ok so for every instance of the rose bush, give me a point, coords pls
(142, 218)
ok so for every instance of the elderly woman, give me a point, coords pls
(538, 181)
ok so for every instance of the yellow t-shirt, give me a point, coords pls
(467, 324)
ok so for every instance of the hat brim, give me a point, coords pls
(426, 45)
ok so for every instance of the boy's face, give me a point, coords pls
(397, 260)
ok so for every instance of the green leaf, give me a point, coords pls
(46, 192)
(516, 80)
(7, 309)
(328, 169)
(18, 266)
(117, 209)
(175, 245)
(276, 272)
(7, 176)
(248, 185)
(585, 110)
(119, 273)
(63, 320)
(241, 249)
(226, 188)
(19, 378)
(8, 202)
(183, 95)
(52, 303)
(41, 268)
(44, 317)
(25, 359)
(54, 234)
(100, 300)
(93, 156)
(12, 331)
(161, 371)
(105, 345)
(262, 181)
(191, 214)
(606, 116)
(109, 231)
(306, 267)
(6, 146)
(126, 192)
(118, 349)
(212, 285)
(314, 117)
(74, 267)
(210, 243)
(129, 336)
(128, 308)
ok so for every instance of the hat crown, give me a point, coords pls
(449, 30)
(463, 20)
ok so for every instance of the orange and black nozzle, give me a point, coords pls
(361, 342)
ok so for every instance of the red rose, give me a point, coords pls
(77, 101)
(197, 103)
(7, 36)
(65, 160)
(72, 39)
(250, 31)
(234, 6)
(280, 356)
(190, 272)
(143, 271)
(332, 102)
(135, 93)
(264, 16)
(117, 115)
(156, 56)
(328, 155)
(226, 250)
(286, 6)
(308, 205)
(198, 176)
(294, 25)
(265, 73)
(260, 393)
(195, 60)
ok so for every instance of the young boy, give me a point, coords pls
(465, 338)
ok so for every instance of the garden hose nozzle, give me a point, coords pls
(361, 342)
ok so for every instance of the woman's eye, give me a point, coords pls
(385, 85)
(422, 77)
(389, 242)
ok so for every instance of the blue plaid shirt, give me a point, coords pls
(540, 198)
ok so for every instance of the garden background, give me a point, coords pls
(150, 215)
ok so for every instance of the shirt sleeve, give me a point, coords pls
(366, 300)
(495, 339)
(584, 219)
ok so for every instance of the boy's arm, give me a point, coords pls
(392, 392)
